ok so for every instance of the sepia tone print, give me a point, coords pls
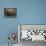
(10, 12)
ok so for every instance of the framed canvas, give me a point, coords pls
(10, 12)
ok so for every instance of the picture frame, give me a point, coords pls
(10, 12)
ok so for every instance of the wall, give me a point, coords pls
(33, 12)
(28, 12)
